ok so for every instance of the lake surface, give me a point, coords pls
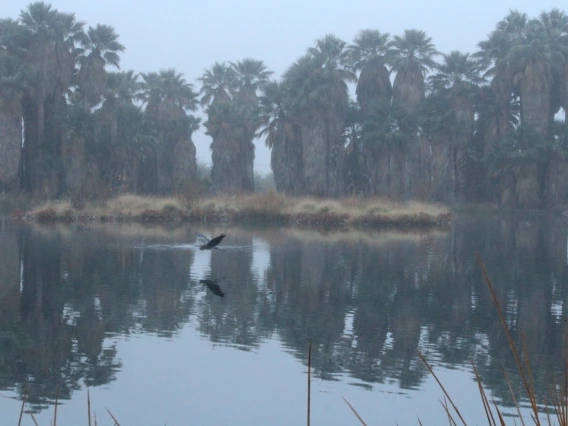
(135, 315)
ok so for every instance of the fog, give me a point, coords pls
(191, 36)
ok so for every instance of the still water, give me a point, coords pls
(163, 333)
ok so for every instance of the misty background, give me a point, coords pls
(191, 36)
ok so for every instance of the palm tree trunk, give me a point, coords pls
(10, 145)
(40, 123)
(535, 97)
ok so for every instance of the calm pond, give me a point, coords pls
(136, 315)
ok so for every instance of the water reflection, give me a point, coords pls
(368, 301)
(213, 286)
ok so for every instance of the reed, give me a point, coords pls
(54, 422)
(114, 418)
(89, 405)
(309, 379)
(355, 412)
(55, 409)
(558, 392)
(23, 406)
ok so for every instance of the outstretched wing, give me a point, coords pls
(211, 244)
(202, 237)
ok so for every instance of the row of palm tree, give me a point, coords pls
(85, 131)
(475, 126)
(467, 127)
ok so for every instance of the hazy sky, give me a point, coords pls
(191, 36)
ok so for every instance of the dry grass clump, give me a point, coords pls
(123, 207)
(270, 202)
(269, 206)
(136, 205)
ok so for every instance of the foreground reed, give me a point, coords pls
(54, 423)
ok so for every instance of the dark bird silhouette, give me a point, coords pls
(210, 244)
(212, 285)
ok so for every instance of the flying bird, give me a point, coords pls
(210, 244)
(212, 285)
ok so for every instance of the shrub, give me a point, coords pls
(189, 193)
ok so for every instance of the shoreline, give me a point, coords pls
(267, 208)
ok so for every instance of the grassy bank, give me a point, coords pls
(268, 207)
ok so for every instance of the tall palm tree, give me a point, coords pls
(50, 53)
(233, 119)
(356, 171)
(499, 112)
(493, 56)
(123, 140)
(101, 49)
(250, 75)
(369, 53)
(167, 94)
(168, 97)
(231, 154)
(122, 86)
(534, 60)
(412, 57)
(317, 84)
(283, 137)
(555, 25)
(457, 79)
(13, 79)
(217, 84)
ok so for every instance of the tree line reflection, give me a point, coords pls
(367, 301)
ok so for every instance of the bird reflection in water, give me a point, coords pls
(212, 285)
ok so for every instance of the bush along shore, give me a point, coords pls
(270, 208)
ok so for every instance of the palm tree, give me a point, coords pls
(168, 96)
(13, 79)
(233, 119)
(457, 80)
(122, 86)
(123, 140)
(369, 54)
(526, 59)
(50, 53)
(121, 89)
(534, 61)
(283, 137)
(231, 156)
(493, 57)
(499, 112)
(217, 88)
(411, 59)
(250, 75)
(101, 46)
(317, 84)
(356, 171)
(217, 84)
(555, 23)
